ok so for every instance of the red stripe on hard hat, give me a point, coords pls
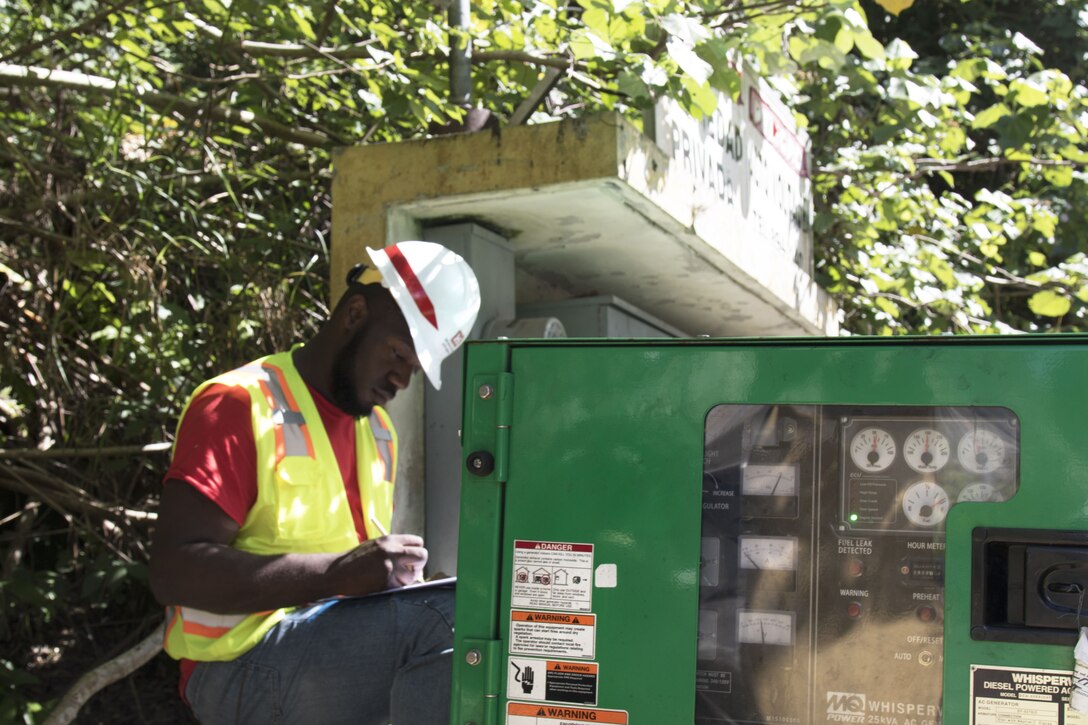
(415, 287)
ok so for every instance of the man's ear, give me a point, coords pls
(356, 313)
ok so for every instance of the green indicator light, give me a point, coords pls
(853, 518)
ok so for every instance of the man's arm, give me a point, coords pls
(193, 564)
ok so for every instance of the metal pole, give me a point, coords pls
(460, 53)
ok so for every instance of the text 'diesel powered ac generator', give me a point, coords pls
(773, 531)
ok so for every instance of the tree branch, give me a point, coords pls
(33, 453)
(520, 56)
(285, 50)
(162, 102)
(536, 95)
(105, 674)
(970, 166)
(927, 166)
(63, 496)
(326, 22)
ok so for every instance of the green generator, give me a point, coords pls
(698, 532)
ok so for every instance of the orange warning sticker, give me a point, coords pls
(553, 634)
(584, 620)
(582, 668)
(519, 713)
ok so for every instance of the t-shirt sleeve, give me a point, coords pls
(215, 452)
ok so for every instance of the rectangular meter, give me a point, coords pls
(773, 531)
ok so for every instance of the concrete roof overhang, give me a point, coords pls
(589, 207)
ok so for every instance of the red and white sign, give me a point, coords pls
(520, 713)
(552, 575)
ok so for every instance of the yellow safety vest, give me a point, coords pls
(301, 505)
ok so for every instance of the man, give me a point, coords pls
(278, 505)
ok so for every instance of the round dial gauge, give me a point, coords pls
(926, 450)
(981, 451)
(872, 449)
(755, 627)
(980, 492)
(768, 552)
(925, 504)
(769, 480)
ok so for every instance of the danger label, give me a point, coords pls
(519, 713)
(553, 634)
(552, 575)
(1018, 696)
(531, 679)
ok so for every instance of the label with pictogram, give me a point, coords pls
(552, 680)
(520, 713)
(553, 634)
(552, 575)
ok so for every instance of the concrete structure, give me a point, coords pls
(552, 212)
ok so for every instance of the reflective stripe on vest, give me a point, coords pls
(301, 504)
(207, 624)
(292, 436)
(383, 436)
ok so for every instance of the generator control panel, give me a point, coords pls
(821, 591)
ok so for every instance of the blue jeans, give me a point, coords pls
(372, 661)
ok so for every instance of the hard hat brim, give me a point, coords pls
(432, 368)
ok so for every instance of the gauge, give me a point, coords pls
(926, 450)
(981, 451)
(761, 479)
(768, 552)
(872, 449)
(980, 492)
(761, 627)
(925, 503)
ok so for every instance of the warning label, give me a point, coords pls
(552, 575)
(552, 634)
(1018, 696)
(529, 679)
(519, 713)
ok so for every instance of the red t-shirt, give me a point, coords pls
(215, 453)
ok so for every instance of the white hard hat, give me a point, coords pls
(438, 294)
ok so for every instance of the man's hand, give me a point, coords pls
(193, 563)
(386, 563)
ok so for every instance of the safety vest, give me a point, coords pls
(301, 505)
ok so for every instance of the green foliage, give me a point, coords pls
(165, 215)
(945, 168)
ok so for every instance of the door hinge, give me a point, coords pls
(478, 671)
(490, 417)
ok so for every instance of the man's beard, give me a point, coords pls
(345, 395)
